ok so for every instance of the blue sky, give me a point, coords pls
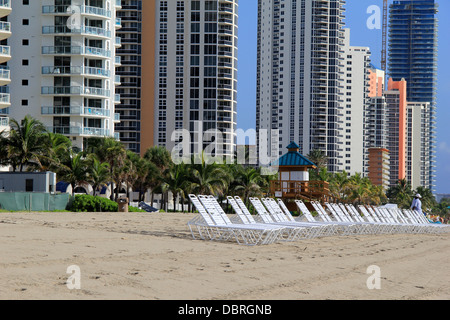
(356, 18)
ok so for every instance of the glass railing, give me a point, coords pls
(79, 30)
(65, 130)
(61, 110)
(4, 122)
(5, 26)
(65, 9)
(5, 74)
(5, 3)
(96, 112)
(5, 50)
(76, 50)
(5, 98)
(96, 132)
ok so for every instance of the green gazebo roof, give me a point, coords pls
(293, 158)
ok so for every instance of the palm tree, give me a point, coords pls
(319, 158)
(208, 179)
(98, 173)
(75, 170)
(339, 185)
(26, 143)
(145, 171)
(57, 145)
(401, 194)
(110, 151)
(175, 181)
(249, 183)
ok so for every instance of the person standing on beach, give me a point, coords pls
(417, 204)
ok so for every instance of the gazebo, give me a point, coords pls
(293, 178)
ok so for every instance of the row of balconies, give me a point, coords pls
(81, 131)
(5, 55)
(80, 111)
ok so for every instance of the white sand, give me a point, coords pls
(153, 256)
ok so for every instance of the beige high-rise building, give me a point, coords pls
(189, 73)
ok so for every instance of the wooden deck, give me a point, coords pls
(304, 190)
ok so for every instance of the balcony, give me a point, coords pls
(76, 70)
(4, 121)
(5, 8)
(5, 53)
(5, 100)
(5, 30)
(80, 50)
(84, 30)
(84, 10)
(5, 77)
(76, 90)
(80, 131)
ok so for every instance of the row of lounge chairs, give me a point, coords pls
(275, 223)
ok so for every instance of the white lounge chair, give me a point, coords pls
(346, 227)
(333, 228)
(211, 225)
(282, 216)
(293, 232)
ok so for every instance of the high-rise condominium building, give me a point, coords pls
(5, 55)
(64, 65)
(356, 95)
(193, 71)
(300, 74)
(396, 105)
(413, 41)
(130, 72)
(418, 146)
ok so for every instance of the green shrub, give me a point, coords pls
(87, 203)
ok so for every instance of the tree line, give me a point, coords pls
(104, 162)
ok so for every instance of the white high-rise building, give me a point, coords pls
(64, 66)
(195, 73)
(356, 96)
(300, 74)
(418, 159)
(5, 55)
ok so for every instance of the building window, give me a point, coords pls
(29, 185)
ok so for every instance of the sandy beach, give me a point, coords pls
(153, 256)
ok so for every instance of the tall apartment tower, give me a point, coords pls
(130, 74)
(300, 74)
(376, 131)
(356, 95)
(5, 56)
(418, 146)
(195, 73)
(413, 41)
(64, 66)
(396, 106)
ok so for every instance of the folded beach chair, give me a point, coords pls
(336, 212)
(293, 232)
(282, 216)
(420, 219)
(211, 225)
(363, 227)
(332, 228)
(401, 219)
(347, 228)
(383, 227)
(393, 219)
(372, 228)
(246, 217)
